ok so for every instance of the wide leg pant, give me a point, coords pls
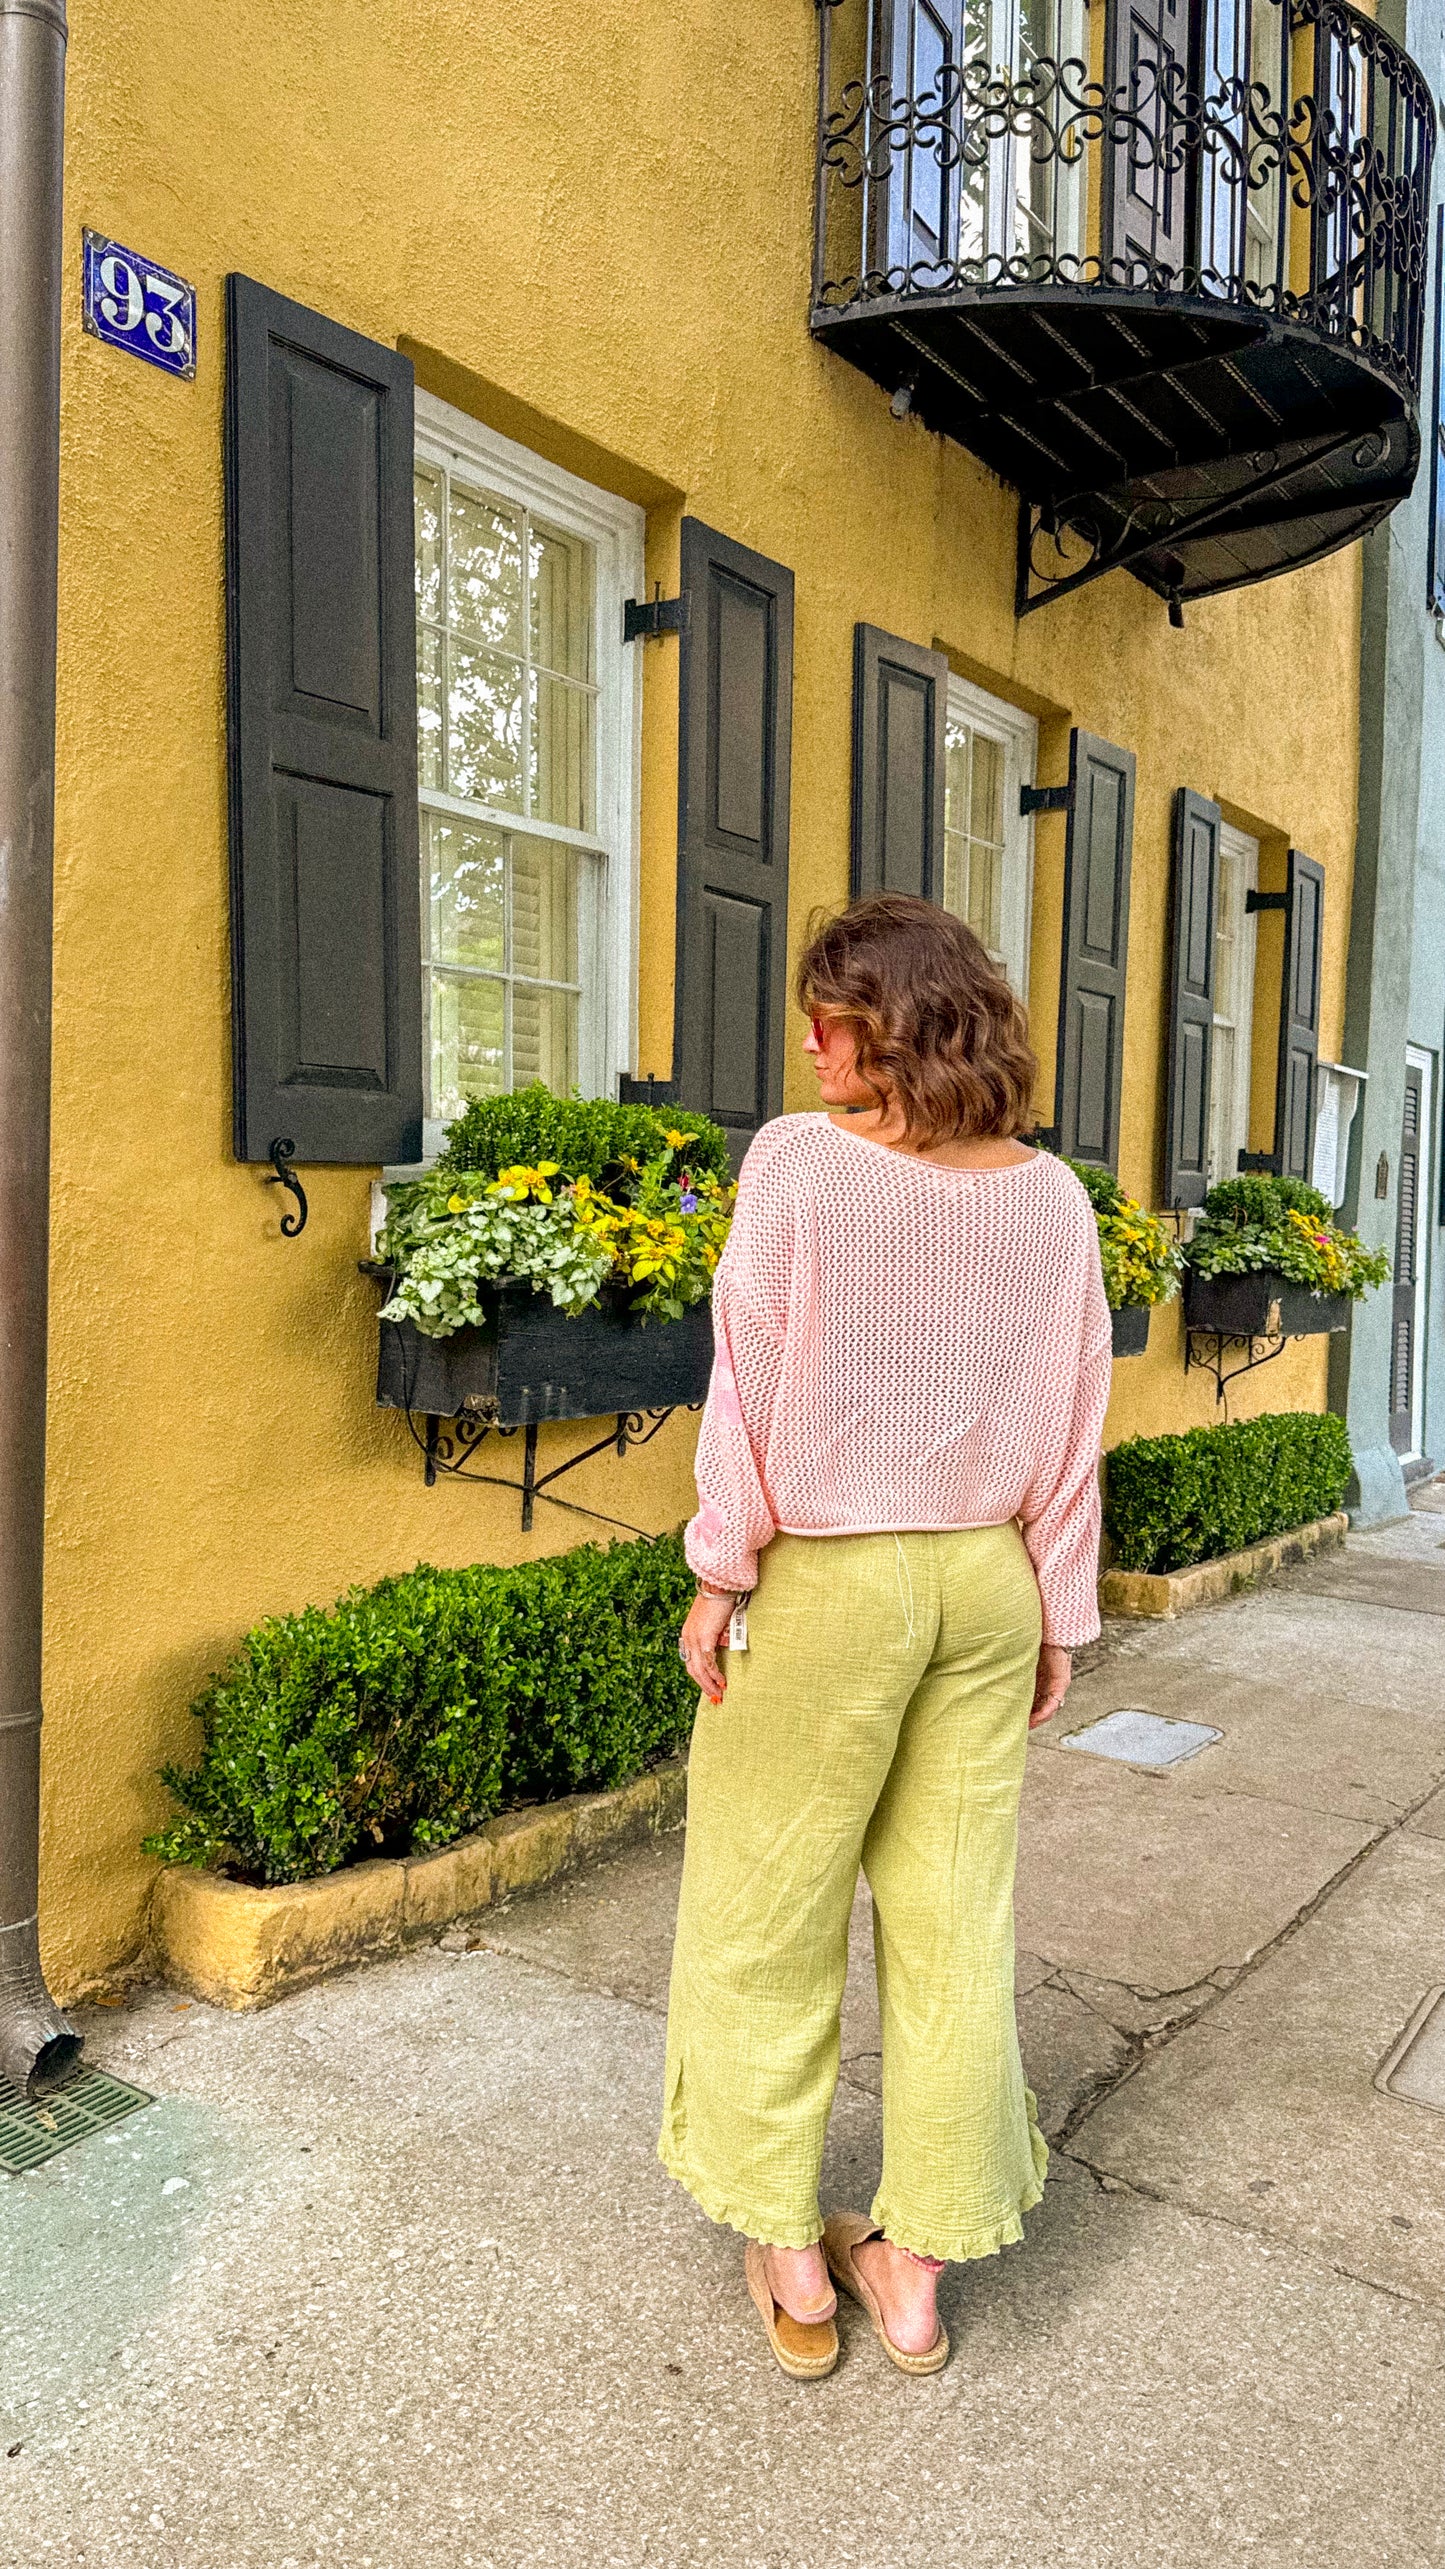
(879, 1715)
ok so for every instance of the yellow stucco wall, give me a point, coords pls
(599, 241)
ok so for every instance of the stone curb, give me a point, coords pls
(241, 1947)
(1151, 1594)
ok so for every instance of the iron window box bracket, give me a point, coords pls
(1264, 1309)
(530, 1364)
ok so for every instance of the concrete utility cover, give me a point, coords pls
(1138, 1738)
(1415, 2069)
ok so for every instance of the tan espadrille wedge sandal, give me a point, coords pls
(805, 2348)
(845, 2232)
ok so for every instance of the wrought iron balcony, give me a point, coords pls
(1159, 264)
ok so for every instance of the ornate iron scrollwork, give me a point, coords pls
(1237, 209)
(450, 1446)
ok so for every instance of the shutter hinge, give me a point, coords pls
(645, 619)
(1266, 1163)
(1045, 798)
(1266, 900)
(645, 1092)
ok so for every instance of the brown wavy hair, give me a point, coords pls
(939, 1032)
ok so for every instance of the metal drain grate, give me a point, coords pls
(1415, 2067)
(33, 2130)
(1138, 1738)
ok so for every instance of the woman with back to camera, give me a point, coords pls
(897, 1475)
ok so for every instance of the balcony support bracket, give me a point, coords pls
(1121, 528)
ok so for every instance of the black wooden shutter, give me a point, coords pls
(1191, 999)
(733, 792)
(1299, 1016)
(1090, 1061)
(920, 49)
(1146, 164)
(325, 891)
(900, 706)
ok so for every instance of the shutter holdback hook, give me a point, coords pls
(291, 1223)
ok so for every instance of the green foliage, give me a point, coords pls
(445, 1236)
(1170, 1500)
(1255, 1222)
(1140, 1258)
(609, 1193)
(586, 1136)
(1100, 1185)
(410, 1712)
(1261, 1202)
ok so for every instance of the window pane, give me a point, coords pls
(985, 895)
(561, 569)
(957, 744)
(974, 849)
(564, 756)
(985, 804)
(467, 911)
(1222, 1107)
(428, 504)
(429, 738)
(484, 743)
(484, 569)
(545, 885)
(469, 1053)
(544, 1037)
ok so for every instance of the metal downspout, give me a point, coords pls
(36, 2044)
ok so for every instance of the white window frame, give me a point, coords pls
(616, 529)
(1236, 1008)
(1018, 734)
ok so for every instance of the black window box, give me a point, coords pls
(530, 1361)
(1131, 1329)
(1245, 1306)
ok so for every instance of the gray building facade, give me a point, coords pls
(1388, 1373)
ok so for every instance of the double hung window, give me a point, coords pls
(526, 771)
(987, 843)
(1229, 1081)
(956, 191)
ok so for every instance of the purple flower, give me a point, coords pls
(687, 1201)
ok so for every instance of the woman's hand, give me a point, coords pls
(701, 1635)
(1051, 1685)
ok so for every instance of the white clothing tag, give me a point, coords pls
(738, 1629)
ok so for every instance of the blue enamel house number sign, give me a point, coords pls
(134, 304)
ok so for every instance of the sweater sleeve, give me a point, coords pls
(749, 1316)
(1060, 1521)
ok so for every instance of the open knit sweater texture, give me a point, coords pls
(903, 1347)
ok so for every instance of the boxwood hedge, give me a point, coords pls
(1170, 1500)
(410, 1712)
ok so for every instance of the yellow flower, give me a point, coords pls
(676, 1141)
(521, 1182)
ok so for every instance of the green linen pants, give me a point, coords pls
(878, 1715)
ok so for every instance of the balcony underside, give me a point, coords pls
(1200, 445)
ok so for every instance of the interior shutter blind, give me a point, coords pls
(1191, 999)
(734, 776)
(1090, 1060)
(900, 703)
(325, 893)
(1299, 1016)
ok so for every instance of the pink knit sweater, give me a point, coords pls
(902, 1346)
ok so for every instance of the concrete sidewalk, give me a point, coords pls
(390, 2275)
